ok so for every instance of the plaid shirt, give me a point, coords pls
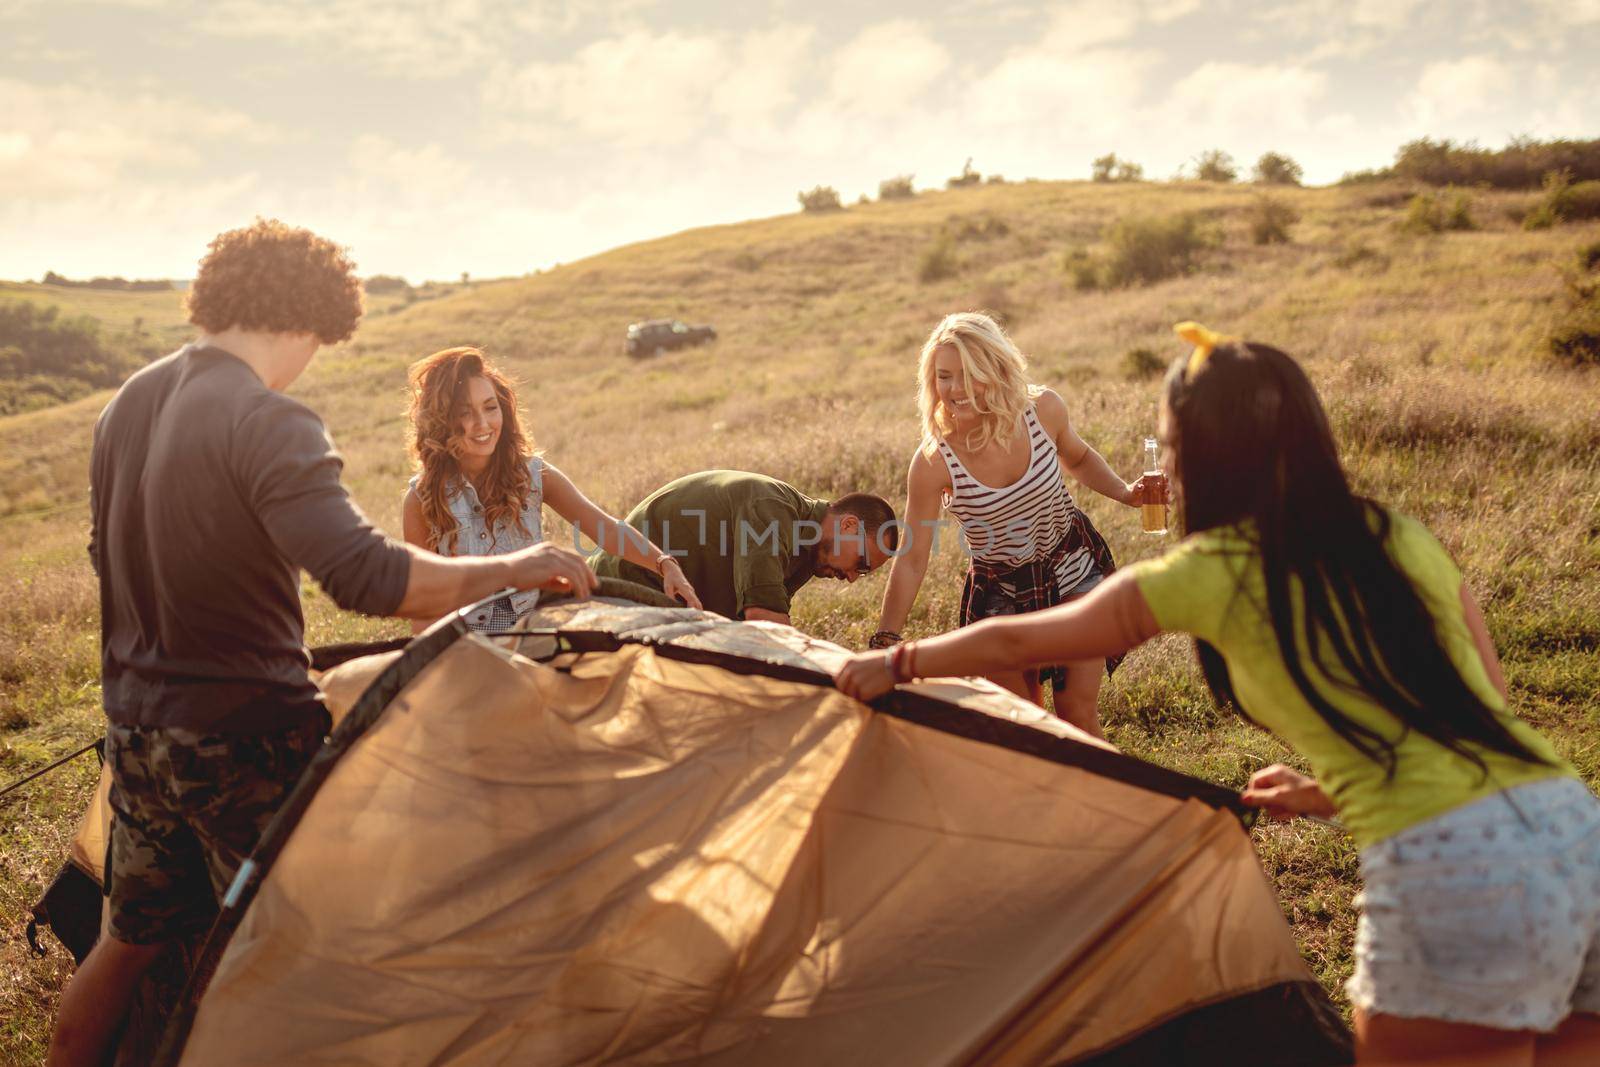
(992, 590)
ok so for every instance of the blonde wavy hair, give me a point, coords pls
(438, 382)
(988, 357)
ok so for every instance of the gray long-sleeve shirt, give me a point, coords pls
(209, 493)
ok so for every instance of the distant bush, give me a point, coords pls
(1140, 250)
(116, 284)
(1576, 339)
(46, 359)
(1270, 219)
(820, 198)
(967, 177)
(1141, 364)
(1215, 165)
(1522, 164)
(896, 188)
(995, 179)
(1275, 168)
(938, 260)
(1082, 268)
(1108, 168)
(1564, 201)
(386, 283)
(1439, 211)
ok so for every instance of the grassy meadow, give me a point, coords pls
(1428, 349)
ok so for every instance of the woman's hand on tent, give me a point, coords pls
(1283, 792)
(555, 569)
(674, 584)
(865, 676)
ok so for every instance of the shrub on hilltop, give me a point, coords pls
(896, 188)
(1108, 168)
(1275, 168)
(1522, 164)
(967, 177)
(820, 198)
(1215, 165)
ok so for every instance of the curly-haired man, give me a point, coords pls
(210, 491)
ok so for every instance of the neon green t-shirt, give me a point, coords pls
(1211, 586)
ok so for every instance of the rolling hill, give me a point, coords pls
(1429, 349)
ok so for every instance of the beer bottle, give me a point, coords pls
(1153, 506)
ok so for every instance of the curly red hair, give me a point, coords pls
(276, 278)
(438, 384)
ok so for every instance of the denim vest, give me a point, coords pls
(473, 537)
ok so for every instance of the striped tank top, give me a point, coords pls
(1021, 522)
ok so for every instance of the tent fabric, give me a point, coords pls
(628, 856)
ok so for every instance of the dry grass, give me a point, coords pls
(1428, 350)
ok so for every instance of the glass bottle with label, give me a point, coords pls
(1153, 505)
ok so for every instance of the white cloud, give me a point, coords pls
(645, 90)
(64, 141)
(1051, 93)
(1450, 89)
(1228, 99)
(1569, 12)
(885, 69)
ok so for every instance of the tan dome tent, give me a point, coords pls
(651, 836)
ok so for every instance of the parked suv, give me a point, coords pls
(657, 336)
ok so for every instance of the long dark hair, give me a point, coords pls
(1252, 445)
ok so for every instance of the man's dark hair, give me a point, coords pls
(277, 279)
(874, 513)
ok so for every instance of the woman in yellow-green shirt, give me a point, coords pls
(1346, 629)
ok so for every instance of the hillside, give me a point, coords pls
(1429, 350)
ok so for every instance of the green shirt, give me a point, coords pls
(1211, 586)
(743, 540)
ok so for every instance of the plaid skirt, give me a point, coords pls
(992, 590)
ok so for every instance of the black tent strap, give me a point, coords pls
(931, 712)
(62, 762)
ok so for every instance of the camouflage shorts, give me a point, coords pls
(187, 808)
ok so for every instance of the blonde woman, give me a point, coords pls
(993, 449)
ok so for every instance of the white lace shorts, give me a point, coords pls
(1489, 914)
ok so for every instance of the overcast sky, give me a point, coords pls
(439, 136)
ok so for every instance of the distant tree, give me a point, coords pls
(1215, 165)
(386, 283)
(1108, 168)
(820, 198)
(1275, 168)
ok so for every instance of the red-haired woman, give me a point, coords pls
(479, 486)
